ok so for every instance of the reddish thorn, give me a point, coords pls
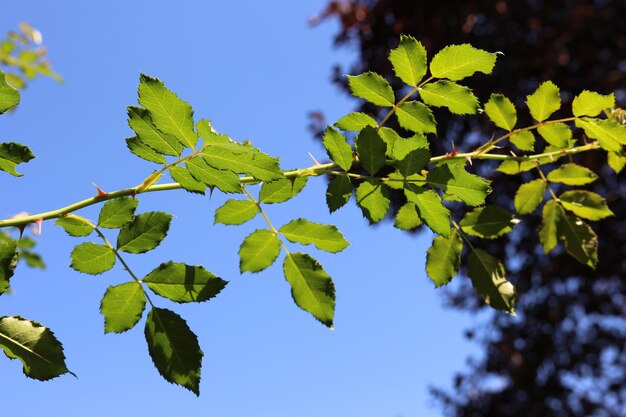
(101, 193)
(133, 193)
(36, 229)
(315, 163)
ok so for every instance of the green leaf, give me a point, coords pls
(322, 236)
(242, 160)
(12, 154)
(371, 149)
(544, 101)
(116, 213)
(373, 199)
(8, 260)
(572, 174)
(34, 345)
(556, 134)
(182, 176)
(430, 208)
(355, 122)
(412, 155)
(529, 196)
(524, 141)
(339, 151)
(616, 160)
(75, 225)
(511, 167)
(145, 232)
(416, 117)
(488, 277)
(144, 151)
(488, 222)
(610, 134)
(390, 137)
(456, 98)
(458, 184)
(589, 103)
(122, 307)
(338, 192)
(170, 114)
(225, 181)
(9, 96)
(409, 60)
(92, 258)
(258, 251)
(183, 283)
(174, 348)
(548, 232)
(281, 190)
(585, 204)
(407, 217)
(373, 88)
(311, 287)
(501, 111)
(456, 62)
(578, 237)
(443, 258)
(147, 133)
(234, 212)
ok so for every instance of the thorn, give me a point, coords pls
(36, 228)
(101, 193)
(469, 159)
(513, 153)
(315, 163)
(133, 194)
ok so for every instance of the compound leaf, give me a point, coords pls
(174, 348)
(122, 307)
(311, 287)
(225, 181)
(183, 283)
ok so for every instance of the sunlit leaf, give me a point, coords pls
(92, 258)
(456, 98)
(373, 199)
(589, 103)
(75, 225)
(9, 96)
(529, 196)
(501, 111)
(407, 217)
(116, 213)
(524, 141)
(147, 133)
(225, 181)
(456, 62)
(458, 184)
(443, 258)
(585, 204)
(572, 174)
(409, 60)
(610, 134)
(281, 190)
(337, 148)
(430, 208)
(488, 277)
(144, 151)
(544, 101)
(355, 122)
(184, 283)
(416, 117)
(258, 251)
(12, 154)
(182, 176)
(371, 149)
(488, 222)
(8, 260)
(322, 236)
(578, 237)
(371, 87)
(616, 160)
(235, 212)
(548, 232)
(556, 134)
(122, 307)
(338, 192)
(145, 232)
(311, 287)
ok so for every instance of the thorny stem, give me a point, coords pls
(310, 171)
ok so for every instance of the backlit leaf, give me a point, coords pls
(556, 134)
(116, 213)
(616, 160)
(75, 225)
(34, 345)
(311, 287)
(12, 154)
(242, 160)
(122, 307)
(456, 62)
(144, 151)
(407, 217)
(524, 141)
(529, 196)
(544, 101)
(371, 87)
(430, 208)
(390, 137)
(170, 114)
(458, 184)
(548, 232)
(488, 222)
(589, 103)
(338, 192)
(8, 260)
(610, 134)
(92, 258)
(183, 283)
(585, 204)
(501, 111)
(572, 174)
(147, 133)
(355, 122)
(373, 199)
(371, 149)
(488, 277)
(409, 60)
(182, 176)
(456, 98)
(322, 236)
(578, 237)
(174, 348)
(281, 190)
(337, 148)
(9, 96)
(416, 117)
(258, 251)
(225, 181)
(443, 258)
(235, 212)
(145, 232)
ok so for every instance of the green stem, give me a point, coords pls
(402, 100)
(267, 219)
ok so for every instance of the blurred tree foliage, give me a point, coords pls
(565, 353)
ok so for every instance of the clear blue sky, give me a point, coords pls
(255, 69)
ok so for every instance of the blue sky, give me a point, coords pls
(255, 69)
